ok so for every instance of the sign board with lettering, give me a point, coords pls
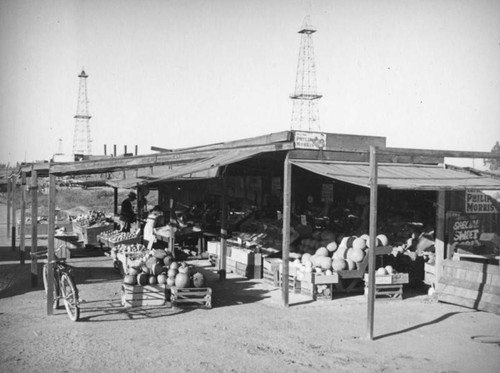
(465, 229)
(477, 202)
(310, 140)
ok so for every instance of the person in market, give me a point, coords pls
(127, 214)
(154, 220)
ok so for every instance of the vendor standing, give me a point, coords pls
(154, 220)
(127, 214)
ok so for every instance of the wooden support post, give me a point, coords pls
(34, 228)
(50, 244)
(373, 235)
(115, 200)
(22, 233)
(223, 229)
(439, 244)
(171, 238)
(14, 208)
(9, 192)
(287, 199)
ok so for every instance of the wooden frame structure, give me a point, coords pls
(317, 146)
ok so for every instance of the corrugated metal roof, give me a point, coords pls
(401, 176)
(206, 168)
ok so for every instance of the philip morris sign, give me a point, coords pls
(310, 140)
(479, 203)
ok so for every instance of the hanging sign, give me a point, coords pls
(310, 140)
(465, 230)
(478, 203)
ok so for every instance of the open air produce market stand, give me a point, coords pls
(255, 194)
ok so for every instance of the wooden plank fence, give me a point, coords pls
(470, 284)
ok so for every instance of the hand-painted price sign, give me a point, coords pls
(465, 230)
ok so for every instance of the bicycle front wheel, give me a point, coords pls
(46, 286)
(69, 294)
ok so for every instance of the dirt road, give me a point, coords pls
(247, 330)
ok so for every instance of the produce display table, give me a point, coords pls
(185, 234)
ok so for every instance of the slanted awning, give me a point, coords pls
(202, 169)
(401, 176)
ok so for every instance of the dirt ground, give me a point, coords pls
(247, 330)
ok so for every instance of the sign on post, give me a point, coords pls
(476, 202)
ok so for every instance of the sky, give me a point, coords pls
(177, 73)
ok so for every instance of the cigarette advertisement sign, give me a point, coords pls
(310, 140)
(477, 202)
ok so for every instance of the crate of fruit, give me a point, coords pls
(147, 295)
(115, 238)
(389, 279)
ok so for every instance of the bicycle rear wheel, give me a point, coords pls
(69, 294)
(46, 286)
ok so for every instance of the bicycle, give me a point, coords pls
(64, 286)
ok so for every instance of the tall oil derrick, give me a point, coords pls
(305, 113)
(82, 142)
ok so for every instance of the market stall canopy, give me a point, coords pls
(401, 176)
(206, 168)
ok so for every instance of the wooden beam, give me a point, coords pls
(287, 199)
(357, 156)
(14, 208)
(439, 153)
(34, 228)
(439, 243)
(22, 233)
(373, 239)
(9, 193)
(50, 244)
(223, 228)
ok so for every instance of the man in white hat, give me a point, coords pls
(127, 214)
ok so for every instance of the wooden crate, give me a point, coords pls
(147, 295)
(242, 269)
(396, 278)
(191, 297)
(387, 291)
(89, 235)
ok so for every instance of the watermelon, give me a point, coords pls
(339, 264)
(322, 251)
(130, 279)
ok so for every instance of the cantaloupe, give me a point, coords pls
(162, 279)
(156, 269)
(151, 261)
(142, 279)
(357, 255)
(381, 271)
(389, 269)
(322, 251)
(332, 246)
(170, 281)
(306, 258)
(359, 243)
(339, 264)
(384, 241)
(160, 254)
(182, 280)
(198, 280)
(152, 280)
(324, 262)
(130, 279)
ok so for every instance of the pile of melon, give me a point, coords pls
(160, 268)
(331, 256)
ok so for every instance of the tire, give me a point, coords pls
(46, 286)
(69, 294)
